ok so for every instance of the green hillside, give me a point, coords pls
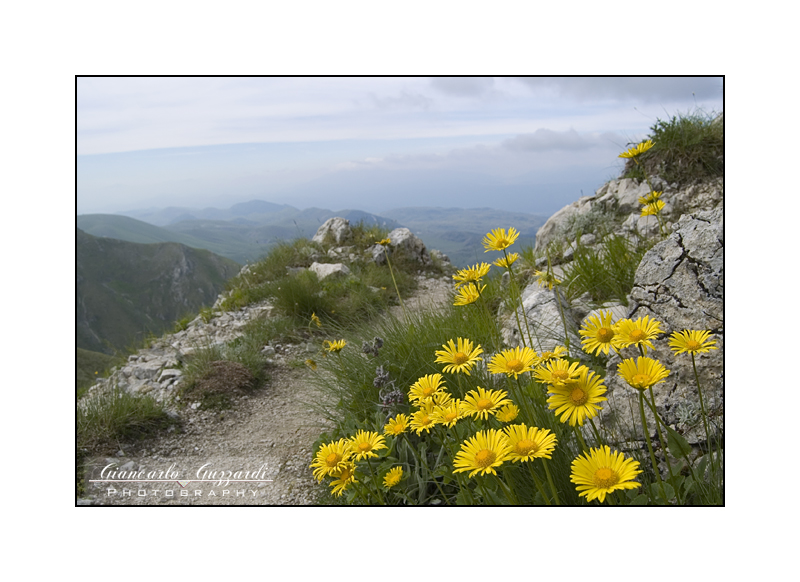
(125, 290)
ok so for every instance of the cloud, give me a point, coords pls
(463, 86)
(645, 89)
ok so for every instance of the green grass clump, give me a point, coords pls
(89, 366)
(688, 147)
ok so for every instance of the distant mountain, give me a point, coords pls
(126, 289)
(459, 232)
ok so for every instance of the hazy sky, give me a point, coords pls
(531, 144)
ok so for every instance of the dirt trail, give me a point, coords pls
(256, 453)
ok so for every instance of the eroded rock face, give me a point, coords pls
(411, 245)
(680, 284)
(544, 329)
(324, 270)
(334, 230)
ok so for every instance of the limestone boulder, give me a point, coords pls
(679, 283)
(324, 270)
(335, 230)
(411, 245)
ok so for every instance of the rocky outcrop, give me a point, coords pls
(335, 230)
(324, 270)
(680, 284)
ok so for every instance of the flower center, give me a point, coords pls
(425, 420)
(514, 365)
(604, 334)
(637, 335)
(484, 404)
(333, 459)
(641, 380)
(560, 375)
(605, 477)
(693, 345)
(524, 447)
(364, 447)
(428, 391)
(578, 397)
(485, 458)
(450, 416)
(460, 358)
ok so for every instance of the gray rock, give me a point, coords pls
(334, 230)
(544, 321)
(324, 270)
(406, 241)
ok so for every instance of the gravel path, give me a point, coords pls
(256, 453)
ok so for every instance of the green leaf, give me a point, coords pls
(678, 446)
(641, 499)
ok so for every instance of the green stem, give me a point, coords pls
(650, 446)
(375, 482)
(518, 293)
(703, 412)
(538, 484)
(659, 422)
(550, 481)
(391, 271)
(507, 488)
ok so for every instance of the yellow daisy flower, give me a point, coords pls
(653, 208)
(311, 364)
(393, 477)
(497, 240)
(637, 150)
(386, 241)
(558, 352)
(507, 261)
(364, 444)
(482, 453)
(422, 420)
(315, 319)
(691, 341)
(643, 373)
(578, 400)
(600, 472)
(481, 403)
(397, 425)
(529, 443)
(650, 198)
(334, 347)
(558, 372)
(471, 274)
(467, 294)
(546, 279)
(344, 476)
(425, 387)
(330, 458)
(459, 359)
(638, 332)
(599, 333)
(513, 362)
(449, 413)
(507, 413)
(442, 398)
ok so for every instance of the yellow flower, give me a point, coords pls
(459, 359)
(482, 453)
(497, 240)
(638, 332)
(397, 425)
(513, 362)
(334, 347)
(650, 198)
(691, 341)
(364, 444)
(600, 472)
(471, 274)
(643, 373)
(599, 333)
(481, 403)
(546, 279)
(529, 443)
(637, 150)
(393, 477)
(344, 476)
(558, 352)
(508, 413)
(467, 294)
(311, 364)
(653, 208)
(386, 241)
(422, 420)
(507, 261)
(578, 400)
(448, 414)
(558, 372)
(425, 387)
(315, 319)
(330, 458)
